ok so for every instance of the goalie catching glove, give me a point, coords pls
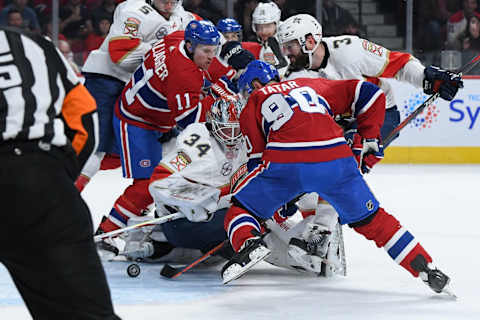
(367, 152)
(446, 83)
(196, 201)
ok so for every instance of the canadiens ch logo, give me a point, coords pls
(145, 163)
(227, 169)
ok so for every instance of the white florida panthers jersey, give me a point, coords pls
(351, 57)
(136, 26)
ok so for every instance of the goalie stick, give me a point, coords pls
(171, 272)
(464, 69)
(160, 220)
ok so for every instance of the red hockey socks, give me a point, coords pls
(399, 243)
(132, 203)
(239, 225)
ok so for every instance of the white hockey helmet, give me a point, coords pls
(298, 27)
(265, 13)
(223, 121)
(157, 3)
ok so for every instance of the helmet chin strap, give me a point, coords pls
(310, 54)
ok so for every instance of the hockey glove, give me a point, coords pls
(236, 57)
(284, 212)
(367, 152)
(224, 88)
(444, 82)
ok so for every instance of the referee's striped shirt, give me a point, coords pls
(41, 98)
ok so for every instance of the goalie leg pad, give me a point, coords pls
(399, 243)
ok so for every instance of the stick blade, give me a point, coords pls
(168, 271)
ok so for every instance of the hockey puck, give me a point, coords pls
(133, 270)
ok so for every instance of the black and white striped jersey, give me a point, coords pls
(34, 80)
(35, 83)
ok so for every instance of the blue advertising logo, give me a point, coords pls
(426, 118)
(464, 112)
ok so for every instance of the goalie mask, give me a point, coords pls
(293, 32)
(223, 121)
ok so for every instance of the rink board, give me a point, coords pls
(445, 132)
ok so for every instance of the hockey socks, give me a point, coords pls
(239, 225)
(399, 243)
(131, 204)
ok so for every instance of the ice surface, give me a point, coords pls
(438, 204)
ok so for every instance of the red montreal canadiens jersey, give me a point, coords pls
(291, 121)
(168, 89)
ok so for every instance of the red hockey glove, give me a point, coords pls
(367, 152)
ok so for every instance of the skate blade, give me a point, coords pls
(448, 290)
(235, 271)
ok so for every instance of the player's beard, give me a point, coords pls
(299, 62)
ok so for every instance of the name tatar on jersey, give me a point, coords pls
(278, 88)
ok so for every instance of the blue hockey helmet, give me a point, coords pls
(201, 32)
(229, 25)
(257, 70)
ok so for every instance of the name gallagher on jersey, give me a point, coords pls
(159, 58)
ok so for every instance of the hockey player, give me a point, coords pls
(265, 23)
(167, 90)
(136, 26)
(349, 57)
(303, 150)
(207, 161)
(230, 29)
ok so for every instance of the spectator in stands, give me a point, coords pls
(104, 11)
(14, 19)
(458, 21)
(471, 37)
(29, 16)
(46, 23)
(336, 20)
(243, 12)
(205, 9)
(470, 41)
(75, 23)
(95, 39)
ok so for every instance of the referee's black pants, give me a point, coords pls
(46, 237)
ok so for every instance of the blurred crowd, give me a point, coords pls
(438, 24)
(441, 25)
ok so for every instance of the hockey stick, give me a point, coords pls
(171, 272)
(160, 220)
(464, 69)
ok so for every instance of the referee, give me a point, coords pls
(47, 131)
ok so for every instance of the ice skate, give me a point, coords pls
(432, 277)
(253, 251)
